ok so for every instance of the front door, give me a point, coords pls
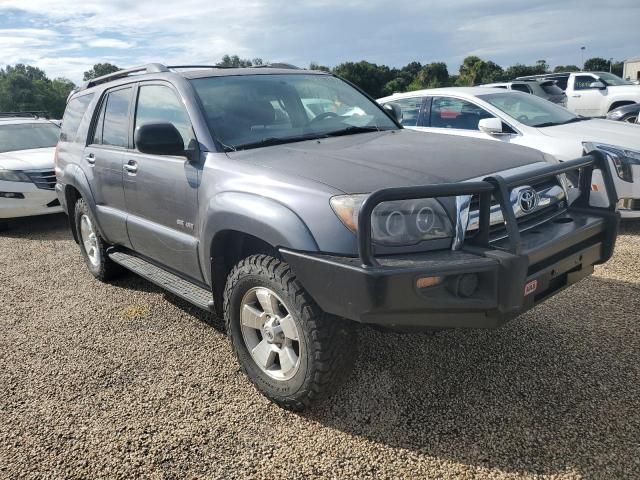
(585, 100)
(103, 159)
(161, 190)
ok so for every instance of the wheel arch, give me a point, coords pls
(238, 225)
(77, 186)
(620, 103)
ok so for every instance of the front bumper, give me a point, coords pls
(513, 273)
(36, 201)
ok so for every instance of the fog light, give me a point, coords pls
(464, 285)
(425, 282)
(11, 195)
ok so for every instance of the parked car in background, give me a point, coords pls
(628, 113)
(593, 94)
(517, 118)
(294, 223)
(27, 177)
(546, 89)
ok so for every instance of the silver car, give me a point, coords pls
(546, 89)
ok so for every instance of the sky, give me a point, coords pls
(66, 37)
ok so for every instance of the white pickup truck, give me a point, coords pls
(594, 94)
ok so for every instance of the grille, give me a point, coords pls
(44, 179)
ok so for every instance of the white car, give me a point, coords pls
(513, 117)
(593, 94)
(27, 177)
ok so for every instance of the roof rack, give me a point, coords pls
(25, 114)
(149, 68)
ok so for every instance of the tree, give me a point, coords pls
(234, 61)
(317, 66)
(368, 76)
(596, 64)
(470, 71)
(26, 88)
(98, 70)
(566, 68)
(433, 75)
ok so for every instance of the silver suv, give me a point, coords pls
(546, 89)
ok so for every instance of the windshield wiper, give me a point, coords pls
(353, 129)
(270, 141)
(553, 124)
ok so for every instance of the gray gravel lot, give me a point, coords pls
(124, 380)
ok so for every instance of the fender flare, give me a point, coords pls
(254, 215)
(74, 177)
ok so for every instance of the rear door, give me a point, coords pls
(161, 190)
(103, 160)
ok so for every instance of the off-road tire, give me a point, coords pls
(329, 348)
(107, 269)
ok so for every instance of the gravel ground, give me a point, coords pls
(126, 381)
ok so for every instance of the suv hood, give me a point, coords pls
(34, 159)
(605, 131)
(366, 162)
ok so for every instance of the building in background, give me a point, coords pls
(631, 69)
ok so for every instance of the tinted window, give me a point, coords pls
(26, 136)
(410, 108)
(550, 88)
(521, 87)
(561, 81)
(116, 118)
(73, 115)
(447, 112)
(160, 104)
(582, 82)
(250, 111)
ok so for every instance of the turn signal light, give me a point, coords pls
(425, 282)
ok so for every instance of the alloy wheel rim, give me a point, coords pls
(270, 333)
(89, 240)
(632, 119)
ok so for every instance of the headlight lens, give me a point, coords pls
(401, 222)
(13, 176)
(623, 159)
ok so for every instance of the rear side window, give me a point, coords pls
(113, 121)
(73, 115)
(447, 112)
(550, 88)
(410, 108)
(521, 87)
(160, 104)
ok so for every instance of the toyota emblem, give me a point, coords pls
(528, 199)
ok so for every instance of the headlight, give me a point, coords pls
(623, 159)
(401, 222)
(13, 176)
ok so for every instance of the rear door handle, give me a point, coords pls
(90, 159)
(131, 167)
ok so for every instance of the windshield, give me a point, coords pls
(611, 79)
(530, 110)
(26, 136)
(249, 111)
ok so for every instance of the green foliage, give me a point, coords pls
(234, 61)
(596, 64)
(26, 88)
(317, 66)
(475, 71)
(98, 70)
(566, 68)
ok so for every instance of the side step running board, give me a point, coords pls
(191, 292)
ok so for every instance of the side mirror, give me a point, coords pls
(491, 126)
(598, 85)
(394, 110)
(159, 139)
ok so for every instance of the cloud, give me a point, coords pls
(327, 31)
(109, 43)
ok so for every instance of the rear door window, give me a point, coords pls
(550, 88)
(113, 123)
(73, 115)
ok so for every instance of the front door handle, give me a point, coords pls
(576, 96)
(90, 159)
(131, 167)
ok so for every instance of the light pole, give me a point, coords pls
(582, 49)
(610, 64)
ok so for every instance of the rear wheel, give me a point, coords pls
(289, 348)
(92, 245)
(630, 118)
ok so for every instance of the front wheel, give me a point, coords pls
(289, 348)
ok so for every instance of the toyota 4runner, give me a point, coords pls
(292, 204)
